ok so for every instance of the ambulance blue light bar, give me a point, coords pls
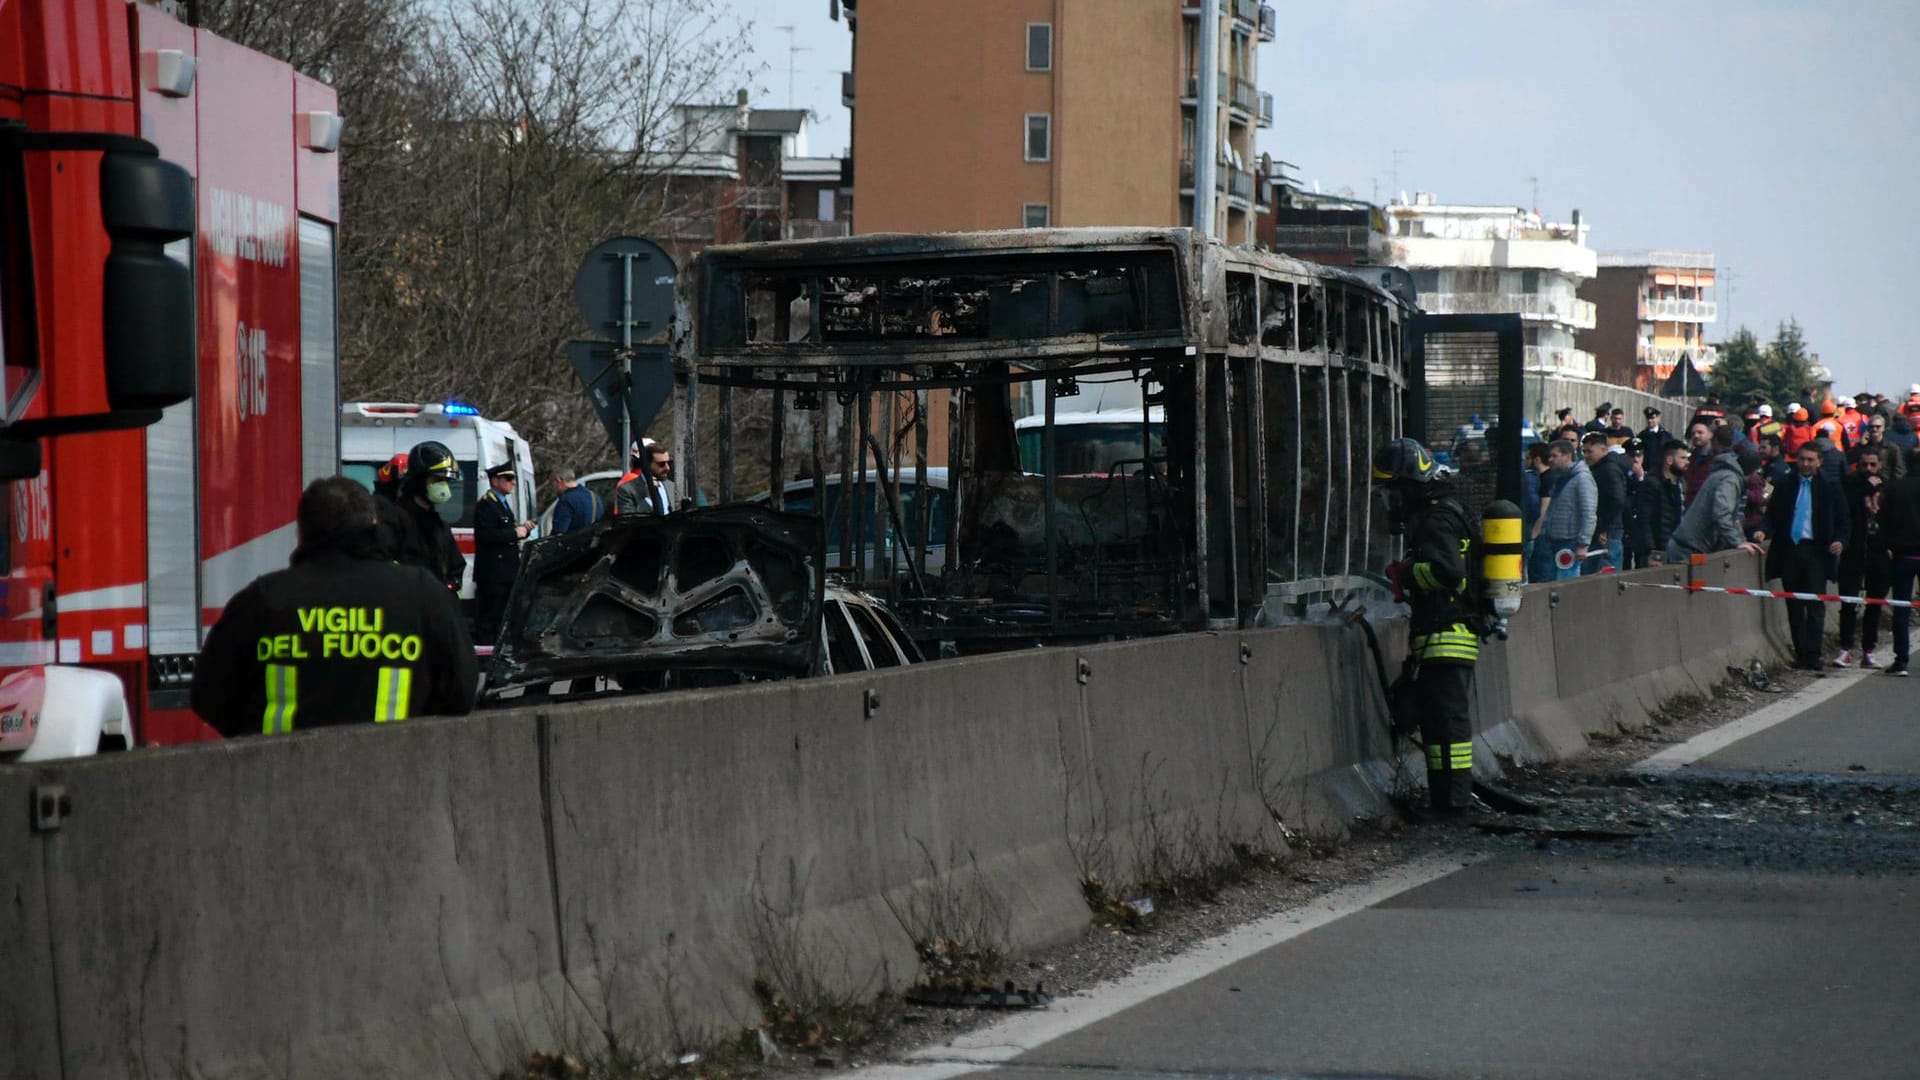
(455, 408)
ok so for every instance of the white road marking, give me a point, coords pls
(1015, 1036)
(1708, 743)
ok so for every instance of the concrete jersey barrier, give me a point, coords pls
(440, 897)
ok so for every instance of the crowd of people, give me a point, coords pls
(1828, 488)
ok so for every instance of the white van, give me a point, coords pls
(371, 432)
(1092, 443)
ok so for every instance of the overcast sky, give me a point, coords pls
(1779, 136)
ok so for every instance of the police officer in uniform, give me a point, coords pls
(426, 541)
(1433, 579)
(341, 636)
(496, 551)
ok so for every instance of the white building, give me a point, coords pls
(1501, 259)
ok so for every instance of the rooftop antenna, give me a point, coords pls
(1397, 156)
(1727, 288)
(1535, 182)
(792, 49)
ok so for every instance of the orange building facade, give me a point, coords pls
(998, 114)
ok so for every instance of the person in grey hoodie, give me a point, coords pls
(1712, 520)
(1569, 519)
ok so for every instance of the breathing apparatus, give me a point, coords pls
(1500, 573)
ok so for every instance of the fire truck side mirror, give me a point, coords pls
(147, 296)
(19, 460)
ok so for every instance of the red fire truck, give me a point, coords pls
(168, 209)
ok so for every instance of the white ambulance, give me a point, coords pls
(371, 432)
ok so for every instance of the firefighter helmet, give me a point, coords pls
(386, 481)
(432, 471)
(1403, 459)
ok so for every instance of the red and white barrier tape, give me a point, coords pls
(1773, 594)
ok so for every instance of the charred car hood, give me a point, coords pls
(731, 588)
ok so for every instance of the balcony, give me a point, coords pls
(1668, 260)
(1266, 110)
(846, 89)
(1190, 94)
(1560, 360)
(1578, 314)
(813, 229)
(1269, 23)
(1673, 310)
(759, 197)
(1239, 185)
(1245, 104)
(1666, 356)
(1309, 240)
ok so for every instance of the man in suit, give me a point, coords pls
(1807, 522)
(650, 490)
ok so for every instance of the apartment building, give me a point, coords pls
(737, 173)
(999, 114)
(1501, 259)
(1654, 309)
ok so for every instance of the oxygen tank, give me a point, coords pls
(1500, 570)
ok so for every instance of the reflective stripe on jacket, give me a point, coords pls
(1455, 644)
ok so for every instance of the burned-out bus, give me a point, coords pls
(1262, 384)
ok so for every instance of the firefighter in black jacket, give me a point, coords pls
(341, 636)
(425, 539)
(1442, 640)
(496, 551)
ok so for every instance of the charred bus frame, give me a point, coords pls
(1275, 377)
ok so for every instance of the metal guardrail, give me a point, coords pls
(1269, 23)
(1240, 184)
(1266, 110)
(1247, 11)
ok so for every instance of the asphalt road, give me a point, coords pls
(1873, 726)
(1765, 927)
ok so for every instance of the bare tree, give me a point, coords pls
(491, 144)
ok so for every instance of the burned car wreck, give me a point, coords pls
(699, 598)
